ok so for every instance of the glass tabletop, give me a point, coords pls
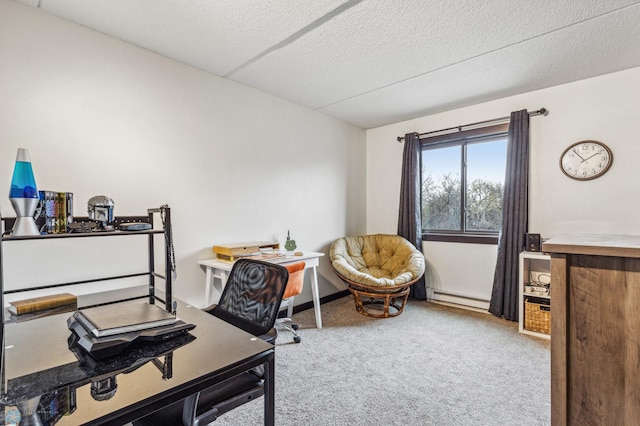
(45, 374)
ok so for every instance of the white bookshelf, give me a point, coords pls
(533, 266)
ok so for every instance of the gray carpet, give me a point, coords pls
(432, 365)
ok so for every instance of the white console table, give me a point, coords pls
(219, 269)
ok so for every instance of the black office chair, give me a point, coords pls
(251, 301)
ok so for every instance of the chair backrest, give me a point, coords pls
(252, 296)
(296, 279)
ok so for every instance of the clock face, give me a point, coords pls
(586, 160)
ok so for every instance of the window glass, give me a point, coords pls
(462, 184)
(441, 188)
(485, 181)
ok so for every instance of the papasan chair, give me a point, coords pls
(378, 270)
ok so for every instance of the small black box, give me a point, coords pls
(532, 242)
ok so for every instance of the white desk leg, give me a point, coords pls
(212, 291)
(316, 297)
(209, 285)
(218, 289)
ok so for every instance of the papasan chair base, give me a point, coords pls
(372, 302)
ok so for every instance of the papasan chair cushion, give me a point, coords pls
(379, 263)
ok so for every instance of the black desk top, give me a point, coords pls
(37, 360)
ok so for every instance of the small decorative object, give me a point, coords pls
(290, 244)
(82, 226)
(134, 226)
(24, 195)
(100, 209)
(532, 242)
(586, 160)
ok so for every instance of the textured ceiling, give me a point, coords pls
(376, 62)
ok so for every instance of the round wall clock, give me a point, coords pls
(586, 160)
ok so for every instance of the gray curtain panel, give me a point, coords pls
(409, 215)
(504, 296)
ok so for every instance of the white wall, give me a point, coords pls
(605, 108)
(101, 116)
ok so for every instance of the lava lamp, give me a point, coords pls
(24, 195)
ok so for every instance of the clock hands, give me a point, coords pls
(585, 159)
(576, 152)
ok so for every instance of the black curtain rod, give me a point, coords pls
(541, 111)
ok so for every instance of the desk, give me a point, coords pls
(218, 268)
(37, 363)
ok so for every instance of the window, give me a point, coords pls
(462, 184)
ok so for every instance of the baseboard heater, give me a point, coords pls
(460, 299)
(462, 296)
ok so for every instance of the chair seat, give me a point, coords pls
(378, 260)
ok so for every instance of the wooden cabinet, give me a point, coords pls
(595, 329)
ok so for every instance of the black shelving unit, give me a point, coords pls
(164, 213)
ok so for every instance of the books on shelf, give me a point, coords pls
(35, 304)
(120, 318)
(54, 212)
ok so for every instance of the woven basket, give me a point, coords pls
(537, 315)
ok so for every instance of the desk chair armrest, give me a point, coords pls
(217, 400)
(210, 403)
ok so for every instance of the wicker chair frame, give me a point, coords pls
(365, 296)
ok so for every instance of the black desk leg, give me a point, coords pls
(270, 391)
